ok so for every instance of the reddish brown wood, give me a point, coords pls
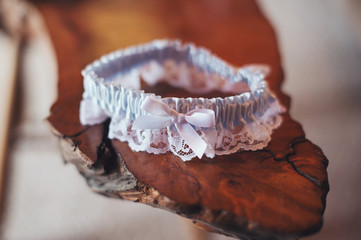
(275, 193)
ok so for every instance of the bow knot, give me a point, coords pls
(162, 116)
(178, 118)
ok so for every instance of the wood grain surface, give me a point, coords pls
(275, 193)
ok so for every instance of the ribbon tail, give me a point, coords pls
(191, 137)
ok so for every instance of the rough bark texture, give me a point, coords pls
(275, 193)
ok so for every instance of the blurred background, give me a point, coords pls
(320, 44)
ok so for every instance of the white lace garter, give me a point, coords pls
(187, 127)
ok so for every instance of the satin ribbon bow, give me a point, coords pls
(162, 116)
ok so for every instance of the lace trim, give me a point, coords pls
(251, 136)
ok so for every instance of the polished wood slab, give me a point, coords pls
(275, 193)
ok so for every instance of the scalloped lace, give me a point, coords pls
(252, 136)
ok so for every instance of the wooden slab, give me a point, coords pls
(275, 193)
